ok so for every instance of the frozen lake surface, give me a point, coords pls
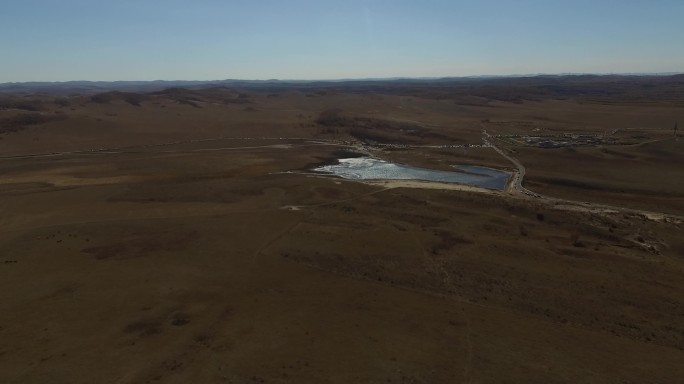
(366, 168)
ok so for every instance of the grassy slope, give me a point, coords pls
(174, 265)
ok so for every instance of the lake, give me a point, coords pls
(366, 168)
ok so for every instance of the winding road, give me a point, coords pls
(515, 184)
(515, 187)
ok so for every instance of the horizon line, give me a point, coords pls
(673, 73)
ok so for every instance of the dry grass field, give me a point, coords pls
(179, 236)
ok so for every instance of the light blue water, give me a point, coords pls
(365, 168)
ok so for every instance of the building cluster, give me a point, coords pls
(567, 140)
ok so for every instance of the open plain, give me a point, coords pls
(179, 235)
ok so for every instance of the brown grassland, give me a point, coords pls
(161, 238)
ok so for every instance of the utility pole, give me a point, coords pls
(675, 131)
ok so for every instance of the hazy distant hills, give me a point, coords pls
(101, 86)
(137, 86)
(631, 87)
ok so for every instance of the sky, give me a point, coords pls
(61, 40)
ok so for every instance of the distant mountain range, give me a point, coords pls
(92, 87)
(103, 86)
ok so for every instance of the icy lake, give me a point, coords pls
(366, 168)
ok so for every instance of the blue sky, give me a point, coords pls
(58, 40)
